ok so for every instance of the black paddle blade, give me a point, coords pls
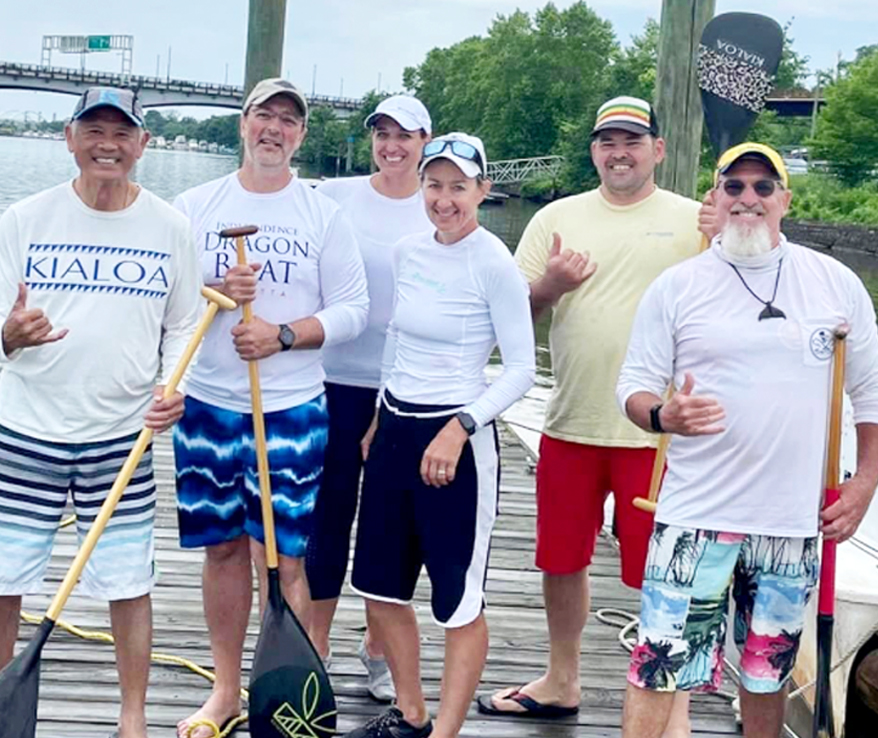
(824, 726)
(290, 693)
(20, 687)
(738, 59)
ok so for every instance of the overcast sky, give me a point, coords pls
(353, 43)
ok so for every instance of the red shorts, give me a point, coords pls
(573, 481)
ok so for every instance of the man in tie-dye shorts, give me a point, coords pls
(745, 334)
(306, 283)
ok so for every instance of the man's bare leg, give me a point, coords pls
(397, 628)
(646, 713)
(10, 613)
(466, 649)
(678, 723)
(228, 596)
(762, 713)
(567, 602)
(131, 622)
(293, 583)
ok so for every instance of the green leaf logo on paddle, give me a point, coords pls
(292, 724)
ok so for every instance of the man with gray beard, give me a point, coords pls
(745, 331)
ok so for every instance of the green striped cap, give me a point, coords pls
(627, 114)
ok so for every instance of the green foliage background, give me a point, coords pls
(531, 85)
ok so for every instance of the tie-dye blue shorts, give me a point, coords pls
(217, 481)
(684, 608)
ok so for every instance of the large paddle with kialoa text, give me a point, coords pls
(290, 692)
(738, 58)
(20, 679)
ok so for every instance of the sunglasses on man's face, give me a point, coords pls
(762, 187)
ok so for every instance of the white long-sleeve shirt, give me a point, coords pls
(764, 473)
(310, 266)
(454, 304)
(127, 286)
(379, 222)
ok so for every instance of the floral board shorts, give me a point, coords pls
(684, 608)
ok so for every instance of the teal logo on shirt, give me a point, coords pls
(431, 283)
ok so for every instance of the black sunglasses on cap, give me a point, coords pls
(762, 187)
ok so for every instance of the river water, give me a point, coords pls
(30, 165)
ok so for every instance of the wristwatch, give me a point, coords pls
(466, 420)
(286, 336)
(655, 422)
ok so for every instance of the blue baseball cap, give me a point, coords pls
(110, 97)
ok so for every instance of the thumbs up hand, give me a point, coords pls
(24, 328)
(566, 270)
(691, 415)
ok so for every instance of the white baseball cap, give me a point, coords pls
(406, 110)
(467, 152)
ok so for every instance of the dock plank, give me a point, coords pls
(79, 687)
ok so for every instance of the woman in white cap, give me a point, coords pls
(383, 208)
(431, 483)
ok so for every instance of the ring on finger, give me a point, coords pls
(441, 472)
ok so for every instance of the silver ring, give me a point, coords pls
(441, 472)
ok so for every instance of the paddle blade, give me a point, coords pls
(20, 687)
(290, 693)
(738, 59)
(824, 726)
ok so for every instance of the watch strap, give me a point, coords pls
(467, 421)
(655, 422)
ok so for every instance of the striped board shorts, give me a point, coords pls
(36, 478)
(218, 482)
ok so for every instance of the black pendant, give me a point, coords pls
(771, 311)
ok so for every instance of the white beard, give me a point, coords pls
(743, 240)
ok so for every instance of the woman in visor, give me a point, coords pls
(430, 490)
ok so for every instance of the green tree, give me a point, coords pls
(523, 83)
(634, 71)
(846, 134)
(793, 69)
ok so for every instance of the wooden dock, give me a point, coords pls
(79, 691)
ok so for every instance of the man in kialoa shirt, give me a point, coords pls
(746, 332)
(633, 230)
(307, 284)
(99, 295)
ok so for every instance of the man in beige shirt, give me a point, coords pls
(633, 230)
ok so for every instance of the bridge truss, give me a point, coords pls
(511, 171)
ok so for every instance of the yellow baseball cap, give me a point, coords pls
(751, 150)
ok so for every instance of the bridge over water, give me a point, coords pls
(513, 171)
(154, 91)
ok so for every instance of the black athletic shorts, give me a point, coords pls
(405, 524)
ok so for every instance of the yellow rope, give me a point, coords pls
(158, 658)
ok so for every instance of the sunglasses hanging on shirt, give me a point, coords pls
(770, 311)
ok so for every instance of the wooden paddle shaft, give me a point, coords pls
(661, 453)
(271, 561)
(649, 504)
(216, 300)
(837, 396)
(826, 598)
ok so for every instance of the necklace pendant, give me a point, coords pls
(770, 312)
